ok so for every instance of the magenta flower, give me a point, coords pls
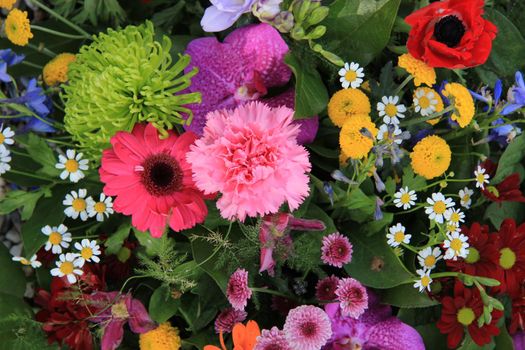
(237, 291)
(119, 309)
(375, 329)
(352, 297)
(274, 233)
(273, 339)
(336, 250)
(242, 68)
(228, 318)
(518, 339)
(307, 327)
(325, 288)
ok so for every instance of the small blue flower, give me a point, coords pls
(503, 134)
(11, 58)
(4, 77)
(517, 96)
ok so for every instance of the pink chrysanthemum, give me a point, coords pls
(352, 296)
(325, 288)
(237, 290)
(273, 339)
(307, 327)
(250, 155)
(336, 250)
(152, 180)
(228, 318)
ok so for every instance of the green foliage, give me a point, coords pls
(510, 159)
(406, 296)
(39, 150)
(497, 212)
(162, 305)
(412, 181)
(20, 199)
(115, 241)
(92, 11)
(22, 332)
(12, 278)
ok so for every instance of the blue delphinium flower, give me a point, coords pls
(11, 58)
(516, 98)
(486, 97)
(4, 77)
(503, 134)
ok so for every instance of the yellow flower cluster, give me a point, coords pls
(357, 137)
(55, 71)
(462, 101)
(7, 4)
(17, 27)
(422, 73)
(164, 337)
(431, 157)
(346, 104)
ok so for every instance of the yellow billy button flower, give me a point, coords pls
(357, 136)
(17, 27)
(76, 203)
(55, 71)
(7, 4)
(397, 235)
(164, 337)
(431, 157)
(422, 73)
(88, 251)
(58, 238)
(68, 265)
(346, 104)
(462, 102)
(424, 280)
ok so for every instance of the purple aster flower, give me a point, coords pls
(223, 14)
(237, 290)
(375, 329)
(352, 296)
(307, 327)
(228, 318)
(325, 288)
(273, 339)
(336, 250)
(239, 70)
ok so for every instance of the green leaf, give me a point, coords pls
(406, 296)
(40, 151)
(497, 212)
(359, 29)
(412, 181)
(469, 344)
(358, 199)
(162, 306)
(152, 245)
(10, 304)
(20, 199)
(503, 340)
(510, 159)
(202, 252)
(433, 339)
(390, 186)
(374, 226)
(12, 277)
(311, 96)
(214, 218)
(116, 239)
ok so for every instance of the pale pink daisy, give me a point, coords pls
(250, 155)
(237, 290)
(307, 327)
(352, 296)
(336, 250)
(273, 339)
(325, 288)
(228, 318)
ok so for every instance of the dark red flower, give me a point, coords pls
(507, 190)
(451, 34)
(462, 311)
(325, 288)
(483, 257)
(490, 167)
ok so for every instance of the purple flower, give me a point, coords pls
(336, 250)
(325, 288)
(307, 327)
(519, 340)
(352, 296)
(237, 291)
(516, 99)
(273, 339)
(228, 318)
(376, 328)
(239, 70)
(119, 309)
(223, 14)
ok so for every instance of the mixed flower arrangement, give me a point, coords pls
(262, 175)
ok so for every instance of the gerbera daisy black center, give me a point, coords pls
(162, 175)
(449, 30)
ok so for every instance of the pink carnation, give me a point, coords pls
(352, 296)
(250, 155)
(228, 318)
(307, 327)
(336, 250)
(237, 290)
(325, 288)
(152, 180)
(273, 339)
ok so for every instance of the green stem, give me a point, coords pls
(57, 33)
(30, 175)
(43, 50)
(407, 80)
(62, 19)
(405, 123)
(272, 292)
(31, 64)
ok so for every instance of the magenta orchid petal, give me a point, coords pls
(519, 340)
(392, 334)
(113, 334)
(139, 320)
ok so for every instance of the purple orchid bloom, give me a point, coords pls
(375, 329)
(519, 340)
(223, 14)
(274, 233)
(239, 70)
(119, 309)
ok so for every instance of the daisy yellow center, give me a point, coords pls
(424, 102)
(425, 281)
(405, 198)
(86, 253)
(391, 110)
(55, 238)
(79, 204)
(507, 258)
(473, 256)
(399, 236)
(350, 75)
(67, 268)
(100, 207)
(439, 207)
(466, 316)
(2, 138)
(430, 261)
(466, 198)
(454, 217)
(71, 165)
(24, 261)
(480, 178)
(452, 228)
(456, 244)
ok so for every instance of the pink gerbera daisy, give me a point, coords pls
(325, 288)
(273, 339)
(228, 318)
(151, 180)
(237, 290)
(307, 327)
(336, 250)
(250, 155)
(352, 296)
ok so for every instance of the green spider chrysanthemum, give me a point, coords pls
(121, 78)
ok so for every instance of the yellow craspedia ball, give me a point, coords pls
(7, 4)
(463, 103)
(55, 71)
(17, 27)
(422, 73)
(164, 337)
(347, 103)
(431, 157)
(357, 136)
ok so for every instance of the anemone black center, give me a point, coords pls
(162, 175)
(449, 30)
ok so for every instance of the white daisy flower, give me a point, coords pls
(72, 165)
(405, 198)
(389, 133)
(68, 265)
(390, 110)
(465, 196)
(438, 206)
(104, 207)
(425, 102)
(88, 251)
(452, 228)
(397, 236)
(456, 244)
(6, 136)
(428, 258)
(32, 262)
(481, 177)
(424, 280)
(5, 158)
(454, 216)
(58, 238)
(351, 75)
(77, 204)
